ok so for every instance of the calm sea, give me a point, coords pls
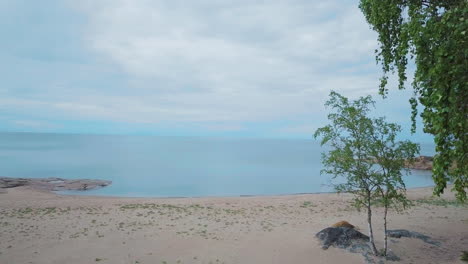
(158, 166)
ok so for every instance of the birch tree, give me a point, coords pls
(432, 34)
(366, 155)
(391, 156)
(349, 135)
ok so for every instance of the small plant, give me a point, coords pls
(306, 204)
(441, 202)
(464, 256)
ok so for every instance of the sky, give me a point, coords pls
(192, 68)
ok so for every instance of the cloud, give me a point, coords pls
(229, 61)
(219, 64)
(243, 43)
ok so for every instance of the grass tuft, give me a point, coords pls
(441, 202)
(464, 256)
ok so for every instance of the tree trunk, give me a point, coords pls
(385, 229)
(369, 222)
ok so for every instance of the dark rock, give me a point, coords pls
(392, 257)
(356, 242)
(349, 239)
(342, 237)
(12, 182)
(398, 233)
(53, 184)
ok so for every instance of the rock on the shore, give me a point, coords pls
(421, 163)
(12, 182)
(398, 233)
(342, 237)
(53, 184)
(354, 241)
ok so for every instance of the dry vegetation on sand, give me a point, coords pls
(40, 227)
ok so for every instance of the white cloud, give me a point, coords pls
(234, 60)
(218, 61)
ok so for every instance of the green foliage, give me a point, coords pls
(390, 156)
(434, 34)
(365, 152)
(349, 136)
(441, 202)
(464, 256)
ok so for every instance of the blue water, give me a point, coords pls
(156, 166)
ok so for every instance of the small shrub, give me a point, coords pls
(441, 202)
(464, 256)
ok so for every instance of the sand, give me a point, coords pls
(42, 227)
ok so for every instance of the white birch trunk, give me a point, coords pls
(371, 233)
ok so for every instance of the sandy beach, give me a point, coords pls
(43, 227)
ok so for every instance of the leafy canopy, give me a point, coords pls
(434, 34)
(391, 157)
(348, 135)
(364, 151)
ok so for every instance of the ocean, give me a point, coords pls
(157, 166)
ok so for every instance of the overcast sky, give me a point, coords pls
(202, 67)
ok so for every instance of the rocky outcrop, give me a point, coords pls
(342, 237)
(418, 163)
(53, 184)
(398, 233)
(12, 182)
(421, 163)
(354, 241)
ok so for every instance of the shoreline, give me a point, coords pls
(75, 187)
(208, 197)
